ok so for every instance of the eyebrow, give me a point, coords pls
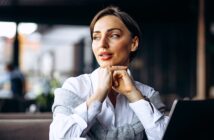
(109, 30)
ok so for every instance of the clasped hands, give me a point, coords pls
(118, 79)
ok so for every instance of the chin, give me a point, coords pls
(110, 63)
(104, 65)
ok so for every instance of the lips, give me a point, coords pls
(105, 55)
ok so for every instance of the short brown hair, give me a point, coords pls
(129, 22)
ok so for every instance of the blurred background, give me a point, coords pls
(46, 41)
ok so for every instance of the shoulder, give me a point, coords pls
(79, 85)
(145, 89)
(152, 94)
(78, 80)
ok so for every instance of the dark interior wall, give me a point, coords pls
(169, 57)
(82, 11)
(209, 45)
(169, 34)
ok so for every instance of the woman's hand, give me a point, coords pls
(104, 78)
(103, 83)
(123, 84)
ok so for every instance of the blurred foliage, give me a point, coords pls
(45, 100)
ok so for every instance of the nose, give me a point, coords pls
(103, 43)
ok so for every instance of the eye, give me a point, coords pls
(96, 37)
(114, 36)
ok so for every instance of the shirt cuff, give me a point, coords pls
(81, 110)
(88, 113)
(81, 122)
(94, 109)
(146, 112)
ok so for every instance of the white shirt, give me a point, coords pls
(73, 125)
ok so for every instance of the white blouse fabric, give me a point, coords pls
(75, 125)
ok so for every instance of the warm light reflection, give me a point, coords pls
(7, 29)
(27, 28)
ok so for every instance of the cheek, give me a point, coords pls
(94, 49)
(122, 47)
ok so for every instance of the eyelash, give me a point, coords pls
(113, 36)
(95, 37)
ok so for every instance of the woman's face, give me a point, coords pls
(112, 42)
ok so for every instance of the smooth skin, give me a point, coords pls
(112, 43)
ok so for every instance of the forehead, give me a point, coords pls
(108, 22)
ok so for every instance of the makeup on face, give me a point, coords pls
(111, 41)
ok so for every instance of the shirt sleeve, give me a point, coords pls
(153, 121)
(72, 126)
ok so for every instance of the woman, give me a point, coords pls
(108, 104)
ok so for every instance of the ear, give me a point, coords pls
(135, 42)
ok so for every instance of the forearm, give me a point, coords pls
(153, 121)
(77, 123)
(98, 96)
(134, 95)
(66, 127)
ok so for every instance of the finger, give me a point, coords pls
(115, 89)
(106, 69)
(112, 68)
(119, 73)
(115, 83)
(117, 77)
(104, 66)
(115, 80)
